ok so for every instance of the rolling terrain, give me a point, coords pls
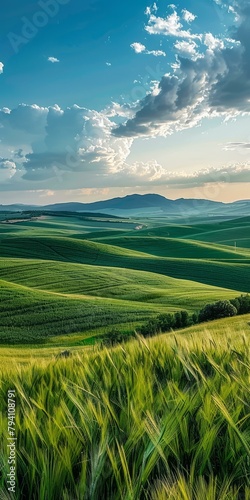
(82, 274)
(153, 418)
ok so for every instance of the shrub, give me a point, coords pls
(150, 328)
(195, 318)
(181, 319)
(115, 337)
(184, 319)
(242, 304)
(166, 322)
(177, 320)
(220, 309)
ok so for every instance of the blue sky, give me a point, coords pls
(99, 99)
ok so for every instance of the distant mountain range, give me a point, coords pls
(146, 204)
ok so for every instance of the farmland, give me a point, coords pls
(73, 274)
(163, 418)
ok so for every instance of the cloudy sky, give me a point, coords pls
(101, 99)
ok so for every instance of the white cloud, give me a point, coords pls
(108, 64)
(5, 110)
(156, 53)
(231, 9)
(7, 169)
(188, 16)
(53, 59)
(169, 26)
(77, 147)
(1, 67)
(52, 142)
(151, 9)
(154, 174)
(138, 47)
(214, 81)
(213, 43)
(187, 48)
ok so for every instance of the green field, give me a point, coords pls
(161, 418)
(81, 275)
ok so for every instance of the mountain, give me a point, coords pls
(17, 207)
(129, 202)
(147, 204)
(137, 202)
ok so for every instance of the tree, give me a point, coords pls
(242, 304)
(184, 319)
(195, 318)
(177, 320)
(150, 328)
(181, 319)
(236, 304)
(114, 337)
(165, 322)
(217, 310)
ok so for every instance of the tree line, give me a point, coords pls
(182, 319)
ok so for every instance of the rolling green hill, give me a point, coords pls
(158, 418)
(31, 316)
(42, 298)
(69, 275)
(231, 274)
(176, 247)
(137, 286)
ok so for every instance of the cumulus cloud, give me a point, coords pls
(139, 48)
(169, 26)
(211, 81)
(155, 174)
(151, 9)
(53, 59)
(228, 174)
(75, 147)
(187, 48)
(1, 67)
(213, 43)
(7, 169)
(188, 16)
(22, 126)
(78, 147)
(48, 142)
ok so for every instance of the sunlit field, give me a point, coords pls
(162, 418)
(155, 418)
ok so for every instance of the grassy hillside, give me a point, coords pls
(68, 274)
(232, 274)
(130, 285)
(166, 418)
(29, 316)
(39, 299)
(169, 247)
(225, 233)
